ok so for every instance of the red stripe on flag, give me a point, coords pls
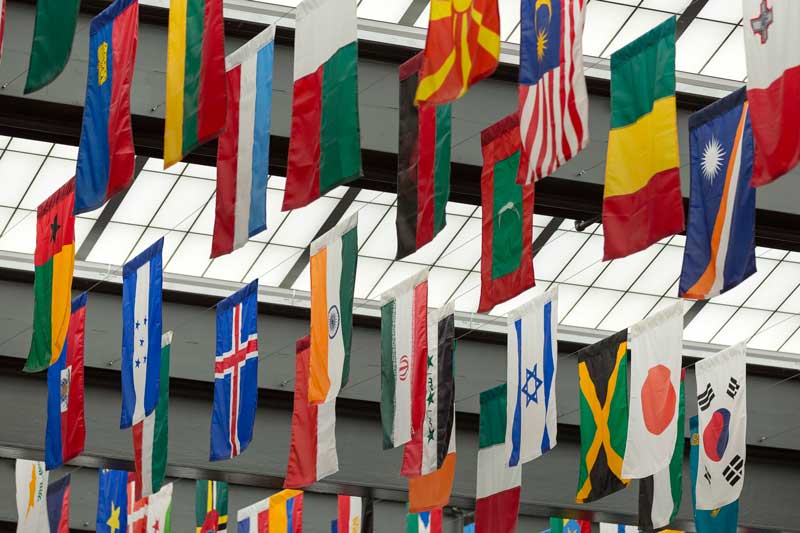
(211, 102)
(412, 452)
(497, 513)
(425, 169)
(73, 421)
(63, 518)
(138, 430)
(302, 172)
(301, 470)
(344, 514)
(227, 169)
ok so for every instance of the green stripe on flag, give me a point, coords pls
(161, 430)
(388, 376)
(346, 288)
(53, 33)
(441, 169)
(506, 217)
(412, 523)
(195, 19)
(41, 341)
(493, 416)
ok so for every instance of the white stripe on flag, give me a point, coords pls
(327, 460)
(494, 474)
(141, 309)
(431, 421)
(244, 159)
(333, 274)
(355, 512)
(404, 347)
(148, 427)
(661, 512)
(322, 28)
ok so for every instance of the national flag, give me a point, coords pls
(334, 259)
(603, 385)
(553, 103)
(235, 373)
(141, 334)
(137, 508)
(106, 153)
(425, 522)
(432, 491)
(570, 525)
(531, 378)
(507, 210)
(286, 512)
(423, 164)
(2, 24)
(53, 32)
(720, 250)
(469, 528)
(31, 478)
(211, 496)
(210, 524)
(334, 526)
(196, 97)
(58, 505)
(243, 149)
(722, 414)
(720, 520)
(253, 518)
(462, 48)
(151, 435)
(660, 494)
(772, 50)
(159, 510)
(642, 200)
(656, 345)
(53, 262)
(404, 358)
(499, 485)
(617, 528)
(434, 401)
(354, 514)
(312, 453)
(325, 144)
(112, 501)
(66, 423)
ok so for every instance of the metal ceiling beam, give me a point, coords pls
(688, 16)
(413, 12)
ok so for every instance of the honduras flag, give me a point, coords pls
(112, 501)
(531, 378)
(720, 237)
(141, 334)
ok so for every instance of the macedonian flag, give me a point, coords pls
(462, 48)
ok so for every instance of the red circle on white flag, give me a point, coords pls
(658, 400)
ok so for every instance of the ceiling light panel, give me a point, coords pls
(235, 265)
(383, 10)
(115, 243)
(192, 256)
(144, 197)
(723, 10)
(603, 21)
(23, 167)
(642, 21)
(302, 225)
(698, 43)
(729, 61)
(184, 203)
(273, 264)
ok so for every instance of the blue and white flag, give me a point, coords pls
(532, 365)
(720, 237)
(235, 373)
(112, 501)
(141, 334)
(617, 528)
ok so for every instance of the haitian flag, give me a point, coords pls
(58, 505)
(66, 425)
(112, 501)
(106, 154)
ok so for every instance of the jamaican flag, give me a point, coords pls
(603, 383)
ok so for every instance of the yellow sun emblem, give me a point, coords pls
(541, 44)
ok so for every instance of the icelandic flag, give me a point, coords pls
(106, 155)
(66, 425)
(720, 237)
(112, 501)
(243, 149)
(235, 373)
(141, 334)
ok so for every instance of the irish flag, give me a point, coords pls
(324, 148)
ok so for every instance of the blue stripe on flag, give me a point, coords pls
(244, 525)
(516, 424)
(549, 370)
(112, 500)
(289, 513)
(54, 456)
(258, 216)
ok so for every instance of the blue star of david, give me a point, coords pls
(537, 383)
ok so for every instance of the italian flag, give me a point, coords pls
(324, 147)
(427, 522)
(159, 510)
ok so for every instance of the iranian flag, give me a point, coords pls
(324, 147)
(159, 510)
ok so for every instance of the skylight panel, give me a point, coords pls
(775, 332)
(184, 203)
(171, 241)
(662, 272)
(23, 167)
(383, 242)
(592, 308)
(729, 61)
(53, 174)
(82, 228)
(369, 215)
(429, 253)
(707, 322)
(466, 301)
(504, 308)
(275, 216)
(630, 309)
(642, 21)
(192, 256)
(742, 325)
(739, 294)
(273, 264)
(64, 151)
(205, 221)
(464, 251)
(792, 345)
(603, 20)
(394, 275)
(201, 171)
(29, 146)
(234, 266)
(368, 273)
(457, 208)
(698, 43)
(442, 284)
(586, 264)
(115, 243)
(777, 286)
(509, 17)
(383, 10)
(4, 140)
(723, 10)
(672, 6)
(303, 281)
(157, 165)
(144, 198)
(302, 224)
(555, 255)
(621, 273)
(19, 234)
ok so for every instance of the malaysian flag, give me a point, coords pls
(554, 106)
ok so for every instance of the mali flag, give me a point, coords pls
(642, 200)
(54, 261)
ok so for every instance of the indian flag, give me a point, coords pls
(334, 258)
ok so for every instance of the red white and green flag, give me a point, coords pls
(425, 522)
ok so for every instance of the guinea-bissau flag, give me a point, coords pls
(54, 260)
(642, 200)
(211, 497)
(196, 90)
(461, 49)
(325, 144)
(603, 384)
(423, 165)
(507, 209)
(53, 33)
(106, 153)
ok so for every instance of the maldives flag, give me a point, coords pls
(324, 147)
(106, 154)
(772, 46)
(66, 425)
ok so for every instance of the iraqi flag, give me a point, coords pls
(656, 345)
(324, 146)
(31, 481)
(772, 47)
(113, 493)
(159, 510)
(426, 522)
(66, 425)
(106, 155)
(243, 149)
(354, 514)
(58, 505)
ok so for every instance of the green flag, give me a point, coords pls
(53, 32)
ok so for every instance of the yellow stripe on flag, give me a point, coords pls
(278, 518)
(318, 381)
(176, 59)
(61, 307)
(441, 9)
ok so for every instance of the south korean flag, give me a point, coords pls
(722, 413)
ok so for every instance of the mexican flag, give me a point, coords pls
(159, 510)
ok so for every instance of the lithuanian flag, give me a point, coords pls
(642, 201)
(54, 260)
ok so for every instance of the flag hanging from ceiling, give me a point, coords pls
(642, 200)
(106, 153)
(325, 144)
(772, 50)
(603, 385)
(570, 525)
(404, 357)
(112, 501)
(141, 334)
(243, 149)
(425, 522)
(151, 435)
(617, 528)
(211, 497)
(423, 165)
(432, 491)
(235, 373)
(531, 378)
(66, 424)
(334, 259)
(210, 524)
(720, 520)
(499, 485)
(656, 345)
(462, 48)
(720, 250)
(722, 415)
(507, 211)
(159, 510)
(253, 518)
(2, 24)
(286, 512)
(53, 32)
(354, 514)
(31, 478)
(137, 508)
(58, 505)
(553, 103)
(660, 494)
(53, 262)
(196, 96)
